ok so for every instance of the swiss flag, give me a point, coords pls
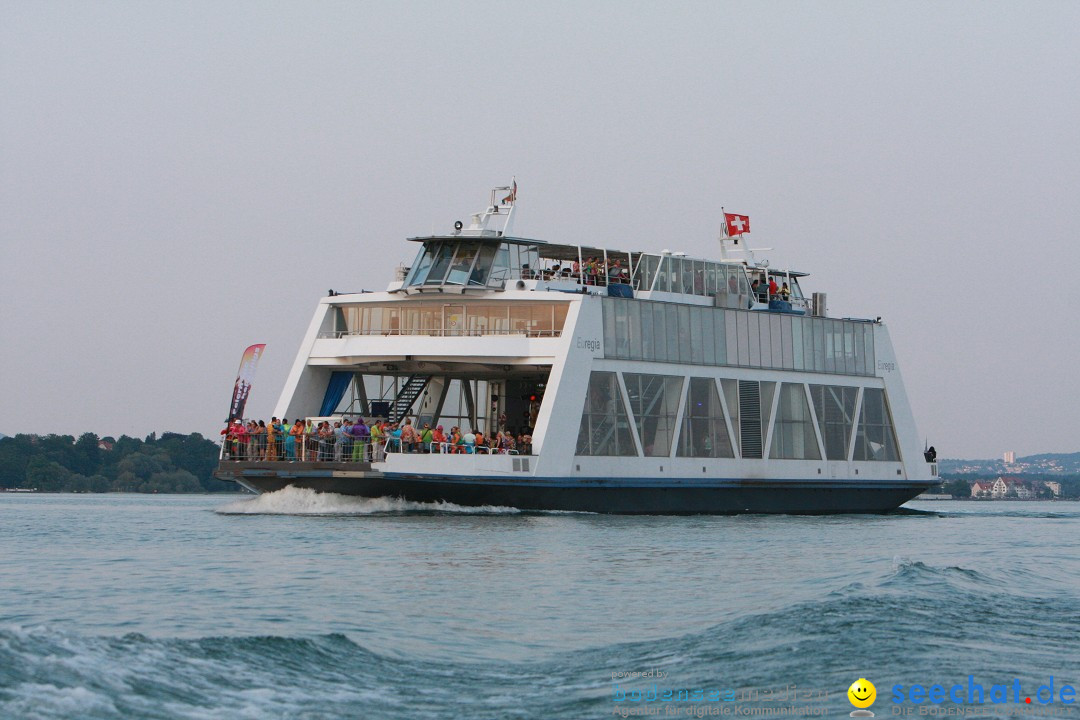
(737, 224)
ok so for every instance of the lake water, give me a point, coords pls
(296, 605)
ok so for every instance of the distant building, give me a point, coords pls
(1054, 487)
(982, 489)
(1010, 486)
(1010, 457)
(104, 445)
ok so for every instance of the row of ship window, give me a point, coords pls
(441, 318)
(738, 425)
(669, 332)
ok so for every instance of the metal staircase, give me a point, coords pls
(407, 396)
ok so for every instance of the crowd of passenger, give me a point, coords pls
(347, 440)
(769, 290)
(594, 271)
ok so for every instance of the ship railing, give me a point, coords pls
(599, 277)
(439, 332)
(302, 447)
(394, 445)
(316, 448)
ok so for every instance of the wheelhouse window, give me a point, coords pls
(462, 263)
(468, 262)
(438, 270)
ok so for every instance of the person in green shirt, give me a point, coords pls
(377, 436)
(426, 438)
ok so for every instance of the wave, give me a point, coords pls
(47, 674)
(914, 622)
(918, 623)
(303, 501)
(1063, 510)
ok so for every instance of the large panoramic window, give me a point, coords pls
(437, 318)
(669, 332)
(704, 432)
(654, 402)
(605, 426)
(793, 433)
(835, 407)
(876, 439)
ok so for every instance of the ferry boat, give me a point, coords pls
(644, 382)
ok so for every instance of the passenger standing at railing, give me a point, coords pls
(226, 442)
(325, 437)
(346, 439)
(242, 441)
(248, 441)
(426, 438)
(438, 439)
(234, 435)
(408, 437)
(785, 292)
(296, 435)
(309, 441)
(255, 450)
(615, 275)
(339, 441)
(377, 435)
(359, 435)
(271, 445)
(282, 431)
(479, 439)
(774, 289)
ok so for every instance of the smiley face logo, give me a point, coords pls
(862, 693)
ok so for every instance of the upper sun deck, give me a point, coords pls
(480, 259)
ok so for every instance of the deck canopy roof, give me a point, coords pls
(551, 251)
(490, 260)
(570, 253)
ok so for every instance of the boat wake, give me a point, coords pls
(303, 501)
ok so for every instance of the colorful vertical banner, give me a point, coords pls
(244, 377)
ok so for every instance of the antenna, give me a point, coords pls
(503, 202)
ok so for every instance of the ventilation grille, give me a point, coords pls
(750, 418)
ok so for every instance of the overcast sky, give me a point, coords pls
(180, 180)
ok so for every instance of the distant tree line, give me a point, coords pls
(172, 463)
(959, 484)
